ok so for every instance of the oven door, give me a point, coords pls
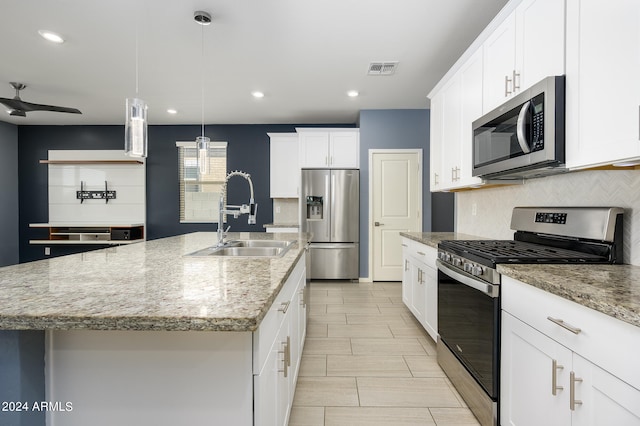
(469, 324)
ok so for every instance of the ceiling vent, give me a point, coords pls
(382, 68)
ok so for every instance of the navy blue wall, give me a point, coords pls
(22, 375)
(9, 195)
(402, 129)
(248, 150)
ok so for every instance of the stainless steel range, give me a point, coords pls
(469, 288)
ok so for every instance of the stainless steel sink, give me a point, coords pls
(247, 248)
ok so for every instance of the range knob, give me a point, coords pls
(477, 271)
(468, 267)
(457, 261)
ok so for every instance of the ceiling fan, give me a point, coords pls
(20, 108)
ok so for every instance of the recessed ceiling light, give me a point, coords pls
(172, 111)
(353, 93)
(257, 94)
(51, 36)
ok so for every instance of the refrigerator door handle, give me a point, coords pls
(328, 211)
(333, 204)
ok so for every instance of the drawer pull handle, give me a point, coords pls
(561, 323)
(572, 391)
(554, 377)
(284, 306)
(404, 245)
(421, 253)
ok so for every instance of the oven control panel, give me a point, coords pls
(557, 218)
(471, 268)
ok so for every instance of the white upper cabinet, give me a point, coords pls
(329, 148)
(603, 84)
(435, 143)
(527, 47)
(453, 109)
(284, 171)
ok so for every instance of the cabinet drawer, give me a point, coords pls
(609, 343)
(267, 332)
(422, 252)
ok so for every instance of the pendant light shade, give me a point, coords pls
(135, 128)
(202, 145)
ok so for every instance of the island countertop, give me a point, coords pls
(146, 286)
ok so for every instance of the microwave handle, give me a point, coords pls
(522, 140)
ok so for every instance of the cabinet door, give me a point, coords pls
(499, 64)
(540, 36)
(344, 150)
(605, 399)
(417, 290)
(265, 411)
(471, 109)
(528, 358)
(283, 386)
(314, 149)
(431, 302)
(603, 88)
(406, 275)
(451, 123)
(436, 142)
(284, 171)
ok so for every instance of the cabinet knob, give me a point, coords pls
(378, 224)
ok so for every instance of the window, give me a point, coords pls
(199, 198)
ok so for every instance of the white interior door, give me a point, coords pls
(396, 203)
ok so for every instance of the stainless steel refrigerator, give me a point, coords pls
(330, 210)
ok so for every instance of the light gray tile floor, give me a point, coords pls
(367, 361)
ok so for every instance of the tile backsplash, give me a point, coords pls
(611, 188)
(285, 211)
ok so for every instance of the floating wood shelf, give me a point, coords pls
(91, 162)
(90, 234)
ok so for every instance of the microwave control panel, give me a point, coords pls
(537, 123)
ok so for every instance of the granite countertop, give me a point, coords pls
(146, 286)
(433, 238)
(611, 289)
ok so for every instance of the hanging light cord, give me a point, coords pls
(202, 78)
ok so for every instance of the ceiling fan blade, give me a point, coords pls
(18, 113)
(19, 104)
(12, 103)
(54, 108)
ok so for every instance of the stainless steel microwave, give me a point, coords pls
(524, 137)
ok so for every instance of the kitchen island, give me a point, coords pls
(142, 334)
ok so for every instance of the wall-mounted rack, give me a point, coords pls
(90, 234)
(105, 195)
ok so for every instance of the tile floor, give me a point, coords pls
(367, 361)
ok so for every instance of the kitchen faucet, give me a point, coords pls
(236, 211)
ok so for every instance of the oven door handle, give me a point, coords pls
(490, 290)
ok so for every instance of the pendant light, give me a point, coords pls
(135, 128)
(202, 142)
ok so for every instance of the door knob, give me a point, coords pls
(378, 223)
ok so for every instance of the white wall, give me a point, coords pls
(615, 188)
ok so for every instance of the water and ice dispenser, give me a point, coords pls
(315, 207)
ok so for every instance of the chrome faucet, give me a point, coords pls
(236, 211)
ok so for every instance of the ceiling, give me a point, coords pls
(303, 54)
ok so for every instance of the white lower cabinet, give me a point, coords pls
(420, 283)
(551, 375)
(180, 377)
(283, 331)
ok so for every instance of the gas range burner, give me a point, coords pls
(510, 251)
